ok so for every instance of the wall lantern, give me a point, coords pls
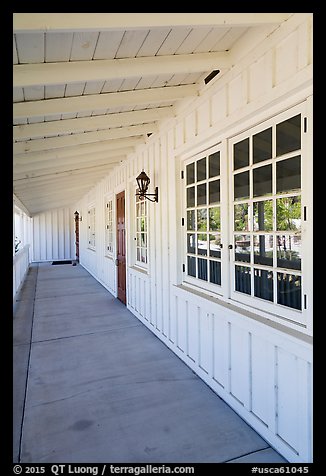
(143, 181)
(77, 217)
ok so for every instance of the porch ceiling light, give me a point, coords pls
(143, 181)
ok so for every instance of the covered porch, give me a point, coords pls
(93, 384)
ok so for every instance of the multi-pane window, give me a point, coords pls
(108, 228)
(267, 214)
(255, 197)
(141, 231)
(203, 223)
(91, 228)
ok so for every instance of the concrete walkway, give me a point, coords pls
(93, 385)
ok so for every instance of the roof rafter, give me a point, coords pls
(41, 129)
(46, 74)
(93, 102)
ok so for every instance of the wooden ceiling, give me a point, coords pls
(89, 87)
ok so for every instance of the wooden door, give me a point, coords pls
(121, 247)
(77, 235)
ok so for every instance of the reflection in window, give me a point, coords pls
(191, 243)
(202, 219)
(191, 197)
(242, 248)
(201, 169)
(215, 245)
(241, 154)
(262, 179)
(202, 268)
(214, 219)
(190, 172)
(214, 191)
(288, 213)
(288, 135)
(241, 217)
(263, 284)
(201, 194)
(214, 164)
(202, 244)
(289, 251)
(215, 272)
(263, 249)
(262, 146)
(241, 186)
(288, 175)
(289, 290)
(243, 279)
(263, 215)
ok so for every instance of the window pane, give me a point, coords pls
(263, 284)
(214, 164)
(190, 172)
(241, 186)
(215, 219)
(242, 248)
(241, 154)
(288, 175)
(144, 255)
(288, 135)
(190, 197)
(201, 194)
(144, 239)
(215, 272)
(241, 215)
(191, 266)
(263, 215)
(289, 290)
(288, 213)
(202, 244)
(201, 169)
(214, 191)
(263, 249)
(191, 243)
(202, 269)
(289, 252)
(262, 178)
(202, 219)
(215, 245)
(262, 146)
(191, 223)
(243, 279)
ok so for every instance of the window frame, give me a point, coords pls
(91, 227)
(109, 222)
(139, 232)
(291, 318)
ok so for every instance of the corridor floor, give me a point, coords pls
(93, 385)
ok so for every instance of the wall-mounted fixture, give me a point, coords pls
(77, 217)
(143, 181)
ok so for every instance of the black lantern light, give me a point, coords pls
(77, 217)
(143, 181)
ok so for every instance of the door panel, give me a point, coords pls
(121, 247)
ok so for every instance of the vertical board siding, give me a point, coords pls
(262, 373)
(53, 235)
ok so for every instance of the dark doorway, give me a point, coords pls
(121, 247)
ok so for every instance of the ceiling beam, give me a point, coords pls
(107, 155)
(49, 179)
(47, 74)
(92, 148)
(55, 171)
(36, 145)
(93, 102)
(63, 22)
(42, 129)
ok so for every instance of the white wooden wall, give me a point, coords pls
(262, 371)
(53, 235)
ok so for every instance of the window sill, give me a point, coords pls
(237, 308)
(139, 269)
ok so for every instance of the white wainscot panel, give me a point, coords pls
(220, 351)
(203, 117)
(286, 58)
(138, 293)
(193, 332)
(239, 346)
(219, 105)
(262, 388)
(288, 416)
(182, 317)
(205, 341)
